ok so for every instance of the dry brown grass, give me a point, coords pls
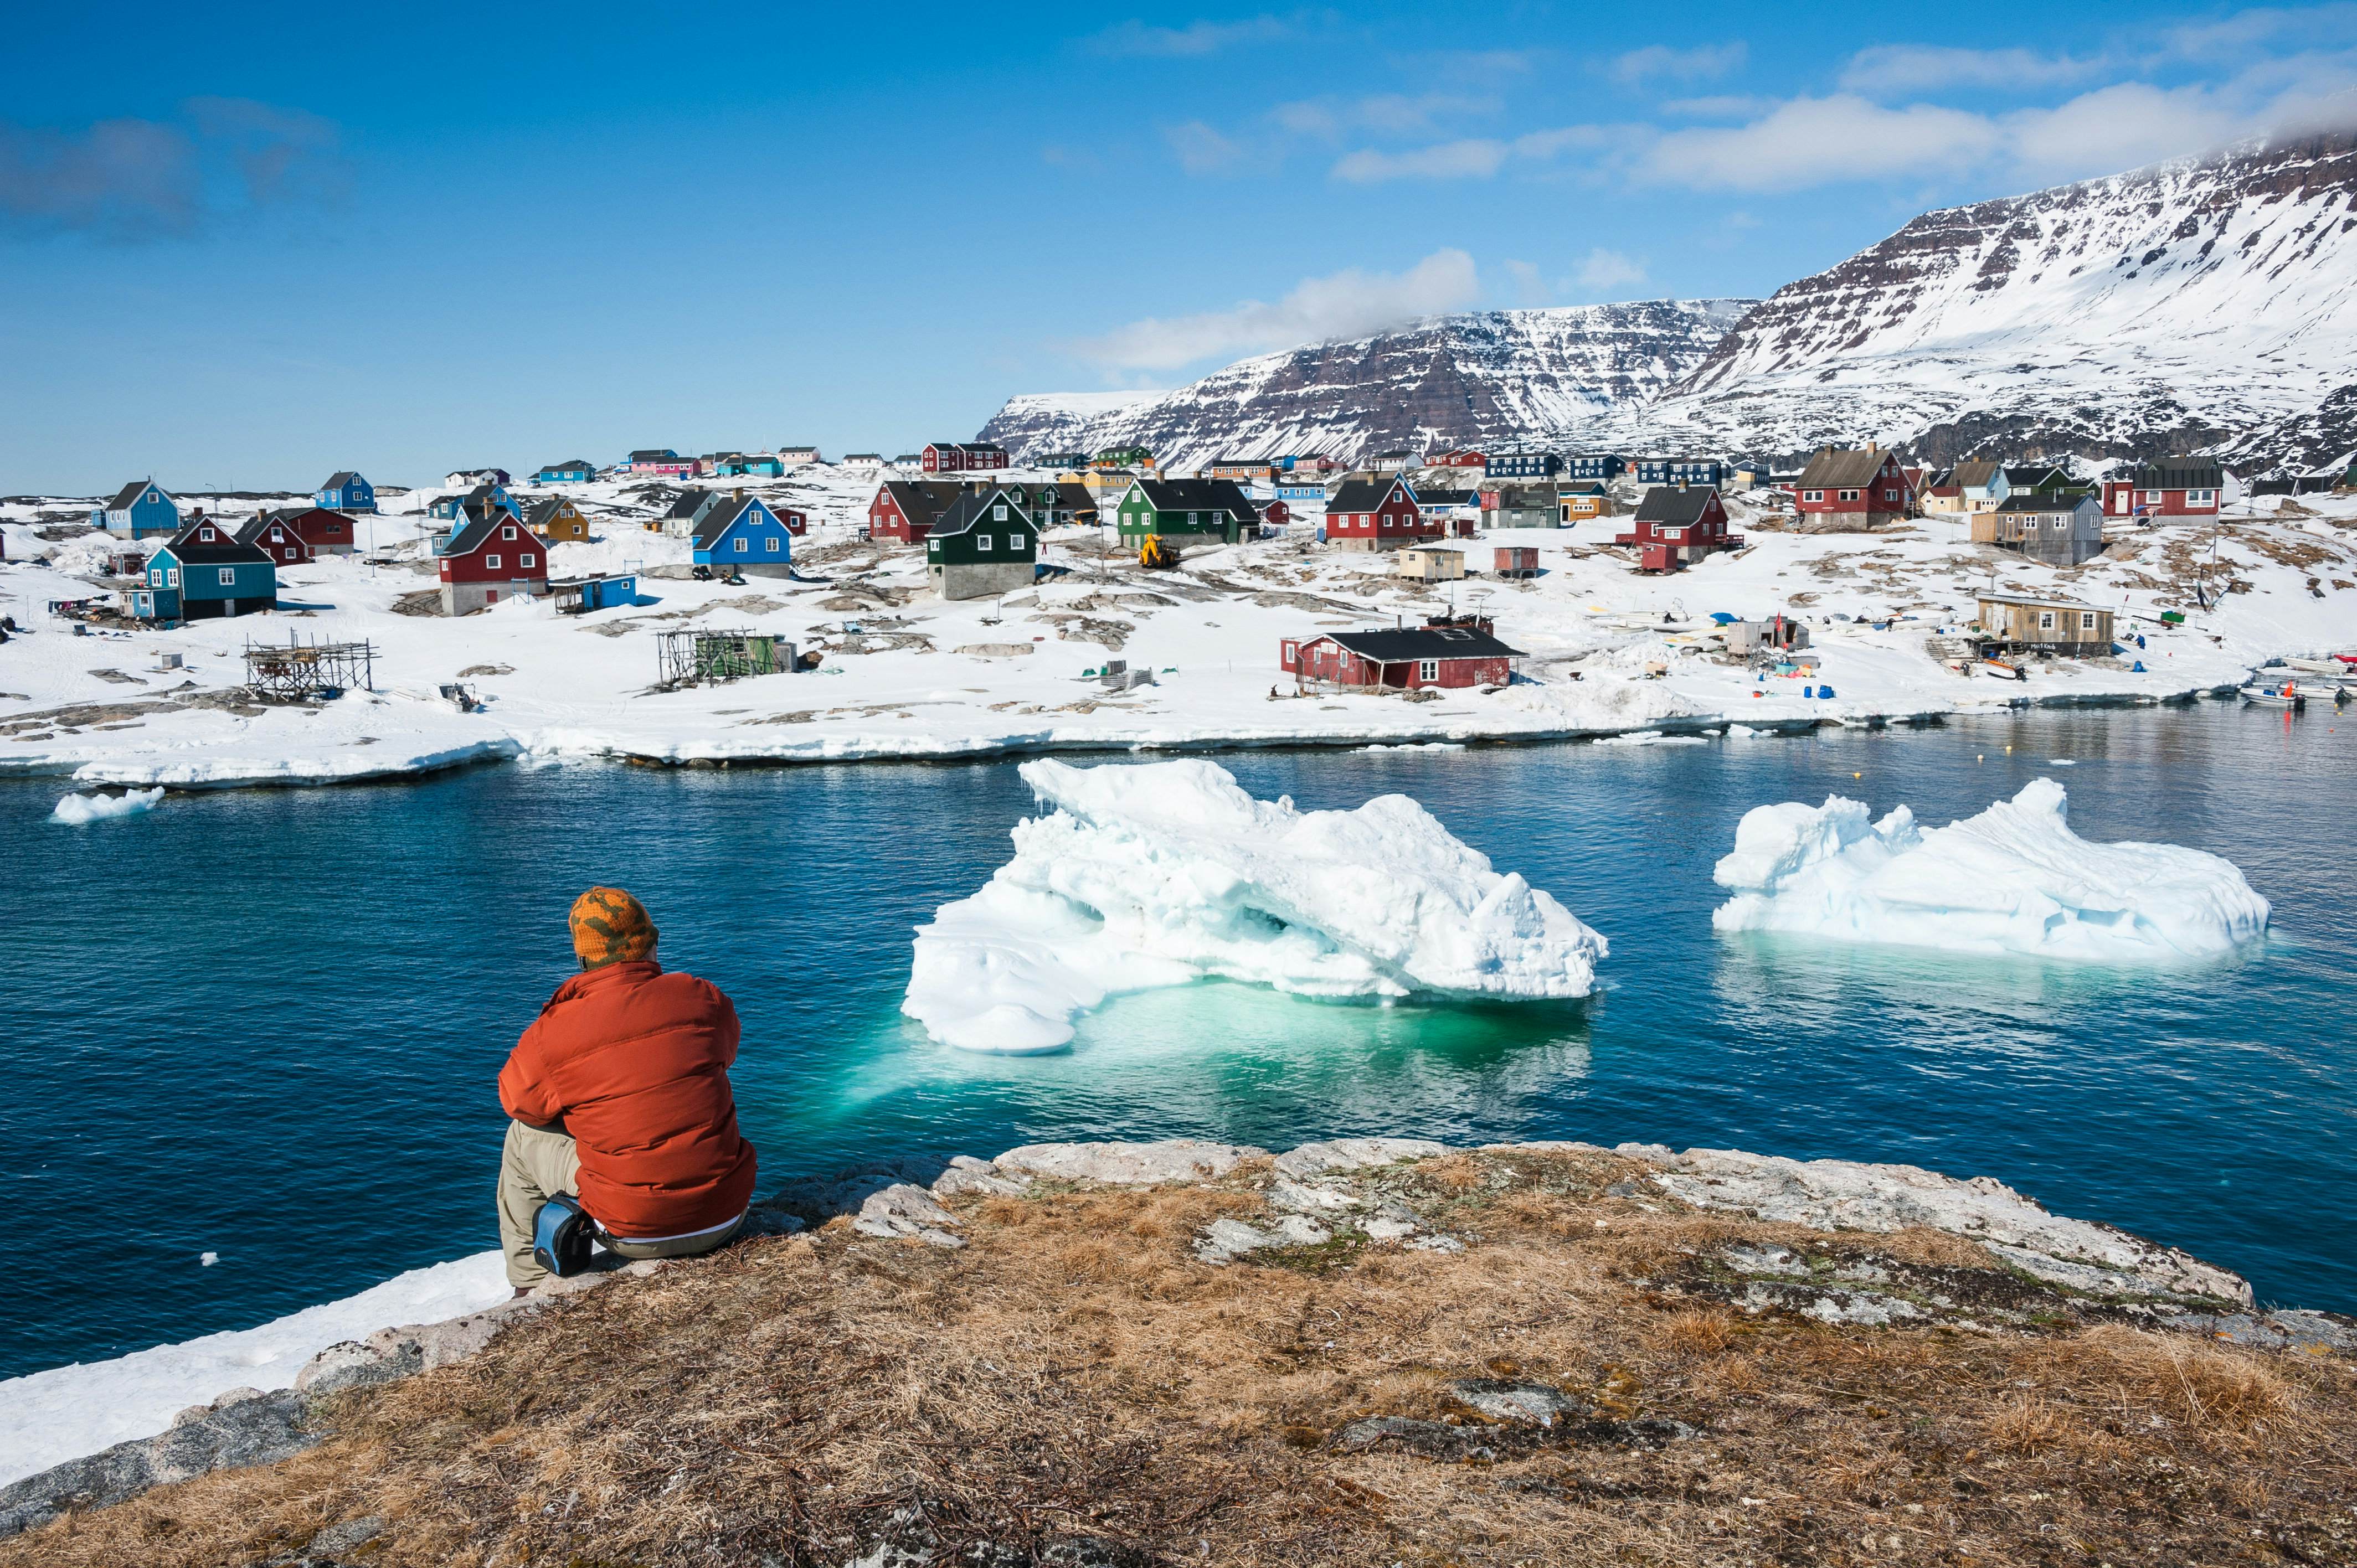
(1073, 1372)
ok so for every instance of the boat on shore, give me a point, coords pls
(2283, 694)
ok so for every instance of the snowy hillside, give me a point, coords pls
(2175, 309)
(1057, 422)
(1493, 376)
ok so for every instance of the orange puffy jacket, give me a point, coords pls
(634, 1064)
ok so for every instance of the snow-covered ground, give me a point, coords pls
(2012, 879)
(1164, 874)
(905, 675)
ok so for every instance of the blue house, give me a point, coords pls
(482, 498)
(758, 463)
(205, 572)
(1679, 471)
(1593, 466)
(742, 534)
(139, 510)
(1310, 488)
(572, 471)
(1524, 466)
(348, 491)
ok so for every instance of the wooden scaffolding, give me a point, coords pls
(300, 672)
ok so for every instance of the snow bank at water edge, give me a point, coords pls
(1167, 873)
(2014, 879)
(77, 810)
(46, 1418)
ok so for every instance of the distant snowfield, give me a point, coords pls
(988, 677)
(46, 1418)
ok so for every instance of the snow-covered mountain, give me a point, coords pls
(2172, 309)
(1487, 377)
(2209, 304)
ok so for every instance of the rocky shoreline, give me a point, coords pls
(1333, 1201)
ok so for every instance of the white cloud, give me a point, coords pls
(1889, 68)
(1330, 117)
(1195, 39)
(1817, 140)
(1475, 158)
(1200, 149)
(1701, 63)
(2115, 128)
(1607, 271)
(1530, 288)
(1348, 304)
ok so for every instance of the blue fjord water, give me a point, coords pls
(265, 1024)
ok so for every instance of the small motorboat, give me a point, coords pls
(2003, 669)
(2284, 695)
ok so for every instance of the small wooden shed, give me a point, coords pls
(2046, 625)
(1430, 563)
(1518, 560)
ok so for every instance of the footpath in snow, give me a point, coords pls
(1163, 874)
(905, 675)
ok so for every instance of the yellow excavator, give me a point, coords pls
(1157, 554)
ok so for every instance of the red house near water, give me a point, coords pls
(493, 557)
(1445, 654)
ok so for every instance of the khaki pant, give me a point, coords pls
(537, 1165)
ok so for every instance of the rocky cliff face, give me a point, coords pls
(1494, 376)
(2159, 312)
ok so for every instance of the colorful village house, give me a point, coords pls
(1676, 528)
(758, 464)
(204, 573)
(984, 545)
(905, 510)
(1113, 458)
(1459, 458)
(2012, 622)
(476, 477)
(1181, 510)
(1430, 563)
(658, 460)
(1584, 503)
(346, 491)
(491, 495)
(2060, 530)
(557, 520)
(1407, 659)
(140, 510)
(1377, 514)
(1681, 471)
(572, 471)
(1239, 468)
(1525, 466)
(1457, 511)
(271, 534)
(743, 535)
(1604, 466)
(1850, 492)
(2181, 487)
(1518, 506)
(961, 457)
(322, 531)
(794, 457)
(688, 508)
(493, 557)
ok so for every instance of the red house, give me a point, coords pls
(1377, 514)
(963, 457)
(1406, 659)
(1676, 528)
(269, 535)
(905, 510)
(1850, 492)
(322, 531)
(491, 557)
(2182, 487)
(1462, 458)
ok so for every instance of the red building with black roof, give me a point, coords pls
(1401, 658)
(1678, 527)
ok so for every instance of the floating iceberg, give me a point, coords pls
(2015, 879)
(1167, 873)
(74, 810)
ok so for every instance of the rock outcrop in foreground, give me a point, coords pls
(1368, 1349)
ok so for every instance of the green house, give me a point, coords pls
(1184, 509)
(986, 544)
(1123, 457)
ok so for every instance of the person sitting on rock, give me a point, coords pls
(619, 1094)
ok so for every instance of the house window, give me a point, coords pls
(1849, 495)
(1813, 495)
(290, 552)
(1427, 669)
(155, 577)
(1890, 495)
(2200, 497)
(982, 543)
(491, 562)
(173, 578)
(1015, 542)
(2046, 620)
(2152, 497)
(229, 576)
(743, 547)
(771, 546)
(998, 513)
(206, 534)
(524, 562)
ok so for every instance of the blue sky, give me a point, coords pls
(247, 245)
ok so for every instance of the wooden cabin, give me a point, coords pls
(2010, 621)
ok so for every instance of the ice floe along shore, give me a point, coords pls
(1161, 873)
(250, 1397)
(2013, 879)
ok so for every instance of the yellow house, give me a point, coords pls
(559, 521)
(1581, 505)
(1430, 563)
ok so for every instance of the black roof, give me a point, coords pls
(2063, 501)
(477, 529)
(1199, 495)
(1363, 495)
(251, 530)
(583, 463)
(225, 549)
(689, 501)
(129, 493)
(338, 480)
(1446, 498)
(716, 521)
(2176, 474)
(654, 454)
(2032, 473)
(923, 500)
(541, 511)
(1397, 646)
(1668, 503)
(972, 509)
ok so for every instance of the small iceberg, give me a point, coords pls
(1167, 873)
(2014, 879)
(75, 810)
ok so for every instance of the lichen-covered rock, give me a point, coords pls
(1129, 1165)
(905, 1209)
(1353, 1155)
(967, 1173)
(259, 1430)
